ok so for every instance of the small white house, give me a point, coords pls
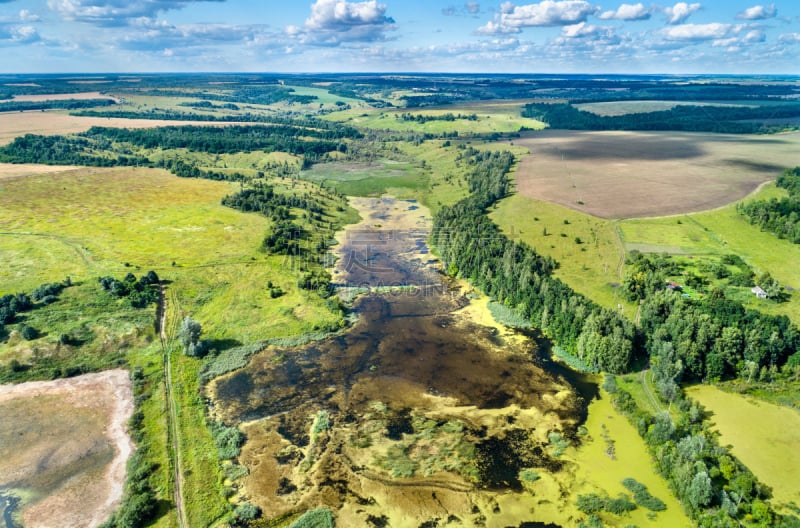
(761, 294)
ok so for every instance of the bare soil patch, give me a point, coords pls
(15, 124)
(642, 174)
(65, 443)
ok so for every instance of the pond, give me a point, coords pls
(415, 414)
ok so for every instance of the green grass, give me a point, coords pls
(723, 231)
(402, 179)
(501, 119)
(202, 472)
(107, 327)
(591, 267)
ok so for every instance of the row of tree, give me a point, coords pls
(424, 118)
(715, 489)
(230, 139)
(778, 215)
(719, 119)
(472, 246)
(54, 104)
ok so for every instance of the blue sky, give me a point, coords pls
(548, 36)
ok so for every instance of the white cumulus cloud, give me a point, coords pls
(699, 32)
(333, 22)
(115, 12)
(627, 12)
(678, 13)
(27, 16)
(758, 12)
(546, 13)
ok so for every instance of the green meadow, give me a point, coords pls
(499, 119)
(712, 234)
(588, 249)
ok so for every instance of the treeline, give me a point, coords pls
(778, 215)
(93, 148)
(422, 118)
(12, 305)
(714, 488)
(230, 139)
(208, 105)
(63, 150)
(263, 199)
(686, 118)
(514, 274)
(65, 104)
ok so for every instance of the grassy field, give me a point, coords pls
(398, 178)
(719, 232)
(644, 174)
(763, 436)
(592, 267)
(490, 118)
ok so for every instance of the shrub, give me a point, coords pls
(247, 512)
(642, 496)
(29, 333)
(320, 518)
(590, 503)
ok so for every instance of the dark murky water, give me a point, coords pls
(8, 505)
(407, 345)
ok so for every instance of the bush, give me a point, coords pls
(228, 440)
(642, 496)
(247, 512)
(320, 518)
(622, 504)
(590, 503)
(29, 333)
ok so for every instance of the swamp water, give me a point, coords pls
(415, 416)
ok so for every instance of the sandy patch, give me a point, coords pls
(75, 447)
(13, 170)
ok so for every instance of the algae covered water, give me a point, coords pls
(415, 413)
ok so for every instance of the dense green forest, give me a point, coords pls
(686, 118)
(66, 104)
(705, 339)
(779, 216)
(472, 246)
(106, 147)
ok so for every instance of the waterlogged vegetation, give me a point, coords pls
(297, 395)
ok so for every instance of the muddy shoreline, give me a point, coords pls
(418, 412)
(76, 447)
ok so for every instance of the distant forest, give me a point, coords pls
(686, 118)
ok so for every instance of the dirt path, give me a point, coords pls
(78, 501)
(172, 415)
(648, 390)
